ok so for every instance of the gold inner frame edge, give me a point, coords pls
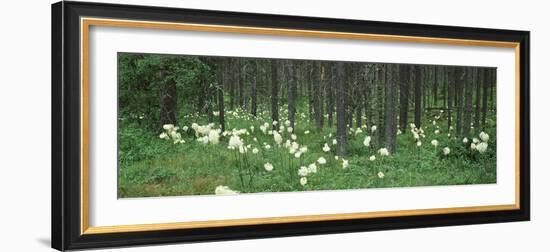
(85, 24)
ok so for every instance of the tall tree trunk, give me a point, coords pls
(471, 78)
(316, 84)
(274, 93)
(330, 92)
(368, 79)
(221, 104)
(381, 81)
(450, 81)
(435, 85)
(253, 92)
(341, 92)
(404, 96)
(292, 92)
(478, 85)
(231, 67)
(417, 96)
(240, 77)
(209, 101)
(389, 108)
(486, 84)
(459, 92)
(168, 99)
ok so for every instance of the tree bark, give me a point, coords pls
(274, 93)
(404, 96)
(389, 108)
(341, 91)
(253, 92)
(417, 96)
(292, 92)
(486, 91)
(471, 78)
(221, 103)
(459, 92)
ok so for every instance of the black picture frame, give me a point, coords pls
(66, 114)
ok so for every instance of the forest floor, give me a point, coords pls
(151, 166)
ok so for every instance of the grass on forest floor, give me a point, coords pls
(149, 166)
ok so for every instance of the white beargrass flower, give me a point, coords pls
(277, 137)
(303, 149)
(334, 141)
(484, 136)
(202, 140)
(446, 151)
(168, 126)
(372, 158)
(475, 140)
(473, 146)
(255, 150)
(399, 132)
(373, 128)
(235, 142)
(306, 132)
(268, 167)
(298, 154)
(214, 136)
(303, 171)
(289, 129)
(321, 160)
(419, 143)
(383, 152)
(287, 123)
(336, 157)
(465, 140)
(224, 190)
(243, 149)
(185, 128)
(275, 122)
(326, 148)
(303, 181)
(380, 175)
(312, 168)
(482, 147)
(267, 146)
(293, 137)
(436, 131)
(435, 143)
(366, 142)
(345, 163)
(163, 135)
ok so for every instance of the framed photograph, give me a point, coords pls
(180, 125)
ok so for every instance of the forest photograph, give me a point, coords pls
(212, 125)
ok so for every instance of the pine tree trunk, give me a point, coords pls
(389, 108)
(274, 93)
(404, 96)
(486, 84)
(292, 92)
(381, 81)
(253, 92)
(316, 84)
(450, 80)
(459, 92)
(478, 85)
(435, 85)
(330, 93)
(417, 96)
(221, 105)
(471, 78)
(341, 90)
